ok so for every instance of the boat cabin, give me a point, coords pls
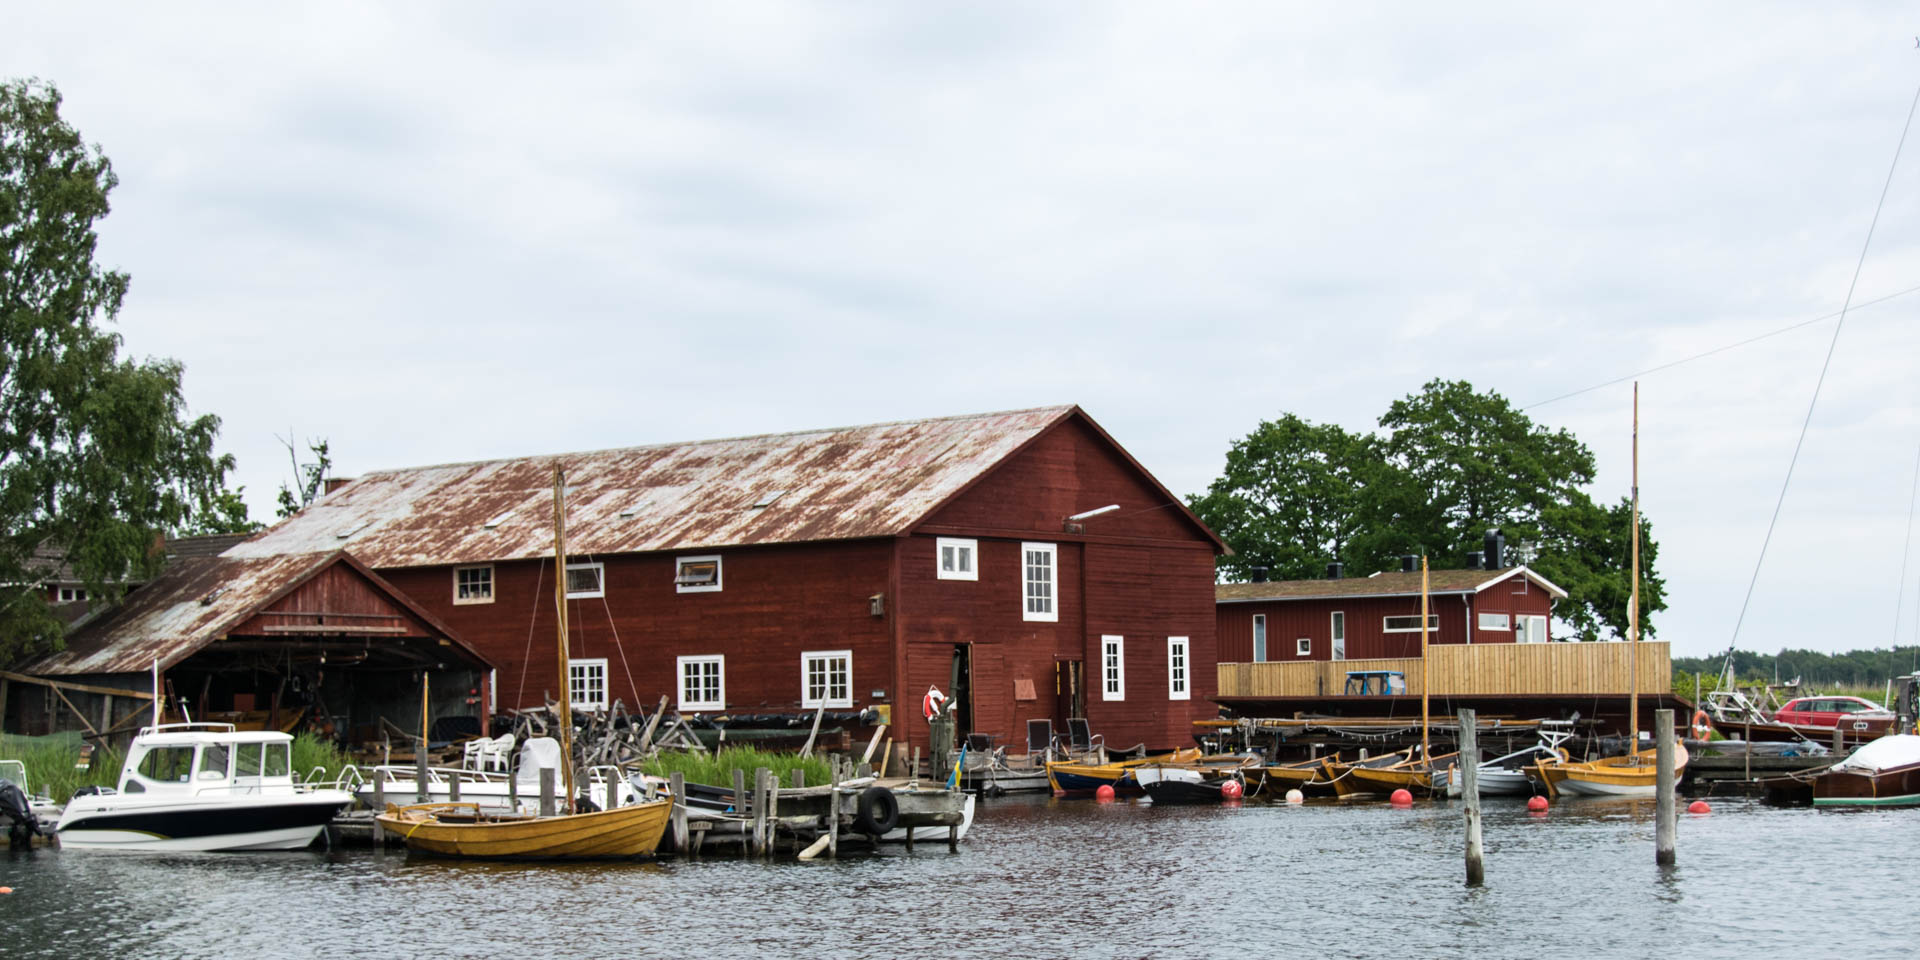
(192, 759)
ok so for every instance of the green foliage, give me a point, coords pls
(309, 476)
(50, 764)
(1866, 670)
(716, 769)
(1450, 464)
(311, 752)
(97, 453)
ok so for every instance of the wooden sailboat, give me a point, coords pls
(463, 830)
(1424, 773)
(1071, 777)
(1635, 774)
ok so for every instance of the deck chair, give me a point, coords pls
(498, 753)
(1040, 739)
(1081, 738)
(473, 753)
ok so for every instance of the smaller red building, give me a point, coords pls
(1376, 617)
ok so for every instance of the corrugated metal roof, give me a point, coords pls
(1378, 585)
(180, 611)
(834, 484)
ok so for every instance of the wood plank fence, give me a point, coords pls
(1512, 669)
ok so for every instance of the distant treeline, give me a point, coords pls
(1856, 668)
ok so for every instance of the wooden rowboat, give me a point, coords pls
(1070, 777)
(463, 830)
(1634, 775)
(1427, 776)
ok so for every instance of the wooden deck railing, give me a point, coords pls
(1513, 669)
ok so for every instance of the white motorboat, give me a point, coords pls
(202, 787)
(1507, 776)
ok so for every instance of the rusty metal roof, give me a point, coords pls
(1445, 582)
(833, 484)
(194, 602)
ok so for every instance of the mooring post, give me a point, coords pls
(546, 791)
(833, 811)
(513, 790)
(420, 770)
(799, 778)
(1839, 741)
(379, 792)
(1470, 790)
(913, 772)
(677, 784)
(773, 810)
(453, 789)
(739, 792)
(1663, 788)
(759, 810)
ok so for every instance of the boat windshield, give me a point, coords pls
(213, 762)
(14, 772)
(166, 764)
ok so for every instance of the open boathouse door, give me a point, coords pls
(1069, 692)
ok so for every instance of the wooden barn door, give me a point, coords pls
(1069, 693)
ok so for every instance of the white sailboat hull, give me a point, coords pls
(1590, 789)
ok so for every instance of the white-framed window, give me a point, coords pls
(956, 559)
(586, 580)
(1259, 638)
(1303, 647)
(826, 678)
(1535, 629)
(72, 594)
(1409, 624)
(1179, 663)
(1494, 621)
(1040, 593)
(1339, 628)
(473, 584)
(1113, 667)
(587, 683)
(696, 574)
(703, 683)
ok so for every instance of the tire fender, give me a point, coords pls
(879, 811)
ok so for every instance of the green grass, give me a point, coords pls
(716, 769)
(50, 764)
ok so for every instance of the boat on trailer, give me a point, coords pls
(202, 787)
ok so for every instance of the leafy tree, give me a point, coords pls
(1451, 465)
(1290, 498)
(97, 453)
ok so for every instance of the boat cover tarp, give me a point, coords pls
(1885, 753)
(536, 754)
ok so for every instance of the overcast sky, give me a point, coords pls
(451, 232)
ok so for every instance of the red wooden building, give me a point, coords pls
(1021, 561)
(1376, 617)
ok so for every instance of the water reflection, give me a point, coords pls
(1037, 877)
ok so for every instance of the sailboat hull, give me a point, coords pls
(1631, 776)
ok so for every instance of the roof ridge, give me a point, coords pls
(1056, 409)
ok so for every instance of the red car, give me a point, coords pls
(1860, 719)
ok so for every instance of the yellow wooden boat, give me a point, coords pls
(1628, 776)
(1068, 776)
(1305, 775)
(462, 830)
(1427, 776)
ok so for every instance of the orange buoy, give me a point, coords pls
(1231, 790)
(1699, 806)
(1401, 798)
(1536, 803)
(6, 889)
(1105, 792)
(1296, 797)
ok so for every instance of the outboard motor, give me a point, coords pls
(23, 824)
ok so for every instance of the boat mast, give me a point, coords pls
(1426, 749)
(1633, 598)
(560, 604)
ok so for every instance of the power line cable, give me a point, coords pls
(1858, 265)
(1721, 349)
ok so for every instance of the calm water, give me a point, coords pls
(1046, 878)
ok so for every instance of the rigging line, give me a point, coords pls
(1906, 547)
(1858, 265)
(1789, 328)
(618, 647)
(526, 656)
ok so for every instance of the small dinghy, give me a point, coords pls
(1170, 784)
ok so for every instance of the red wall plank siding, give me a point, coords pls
(775, 603)
(337, 590)
(1290, 620)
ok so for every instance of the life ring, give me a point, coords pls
(1702, 725)
(931, 703)
(879, 811)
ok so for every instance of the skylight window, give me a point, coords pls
(768, 499)
(356, 528)
(498, 520)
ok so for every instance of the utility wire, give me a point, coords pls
(1858, 265)
(1722, 349)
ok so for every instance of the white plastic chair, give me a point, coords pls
(499, 753)
(474, 754)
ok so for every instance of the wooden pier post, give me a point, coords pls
(1839, 741)
(453, 789)
(1470, 790)
(833, 812)
(773, 810)
(513, 789)
(677, 784)
(420, 770)
(739, 793)
(1663, 788)
(546, 791)
(759, 810)
(379, 792)
(799, 778)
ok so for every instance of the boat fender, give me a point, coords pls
(879, 811)
(1702, 725)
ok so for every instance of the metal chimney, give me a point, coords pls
(1259, 574)
(1476, 559)
(1409, 562)
(1496, 549)
(1335, 570)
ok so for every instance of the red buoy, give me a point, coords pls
(6, 889)
(1231, 790)
(1537, 803)
(1699, 806)
(1104, 793)
(1401, 798)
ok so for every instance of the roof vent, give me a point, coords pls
(767, 501)
(1335, 570)
(498, 520)
(633, 509)
(1259, 574)
(1496, 546)
(1475, 559)
(1409, 562)
(356, 528)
